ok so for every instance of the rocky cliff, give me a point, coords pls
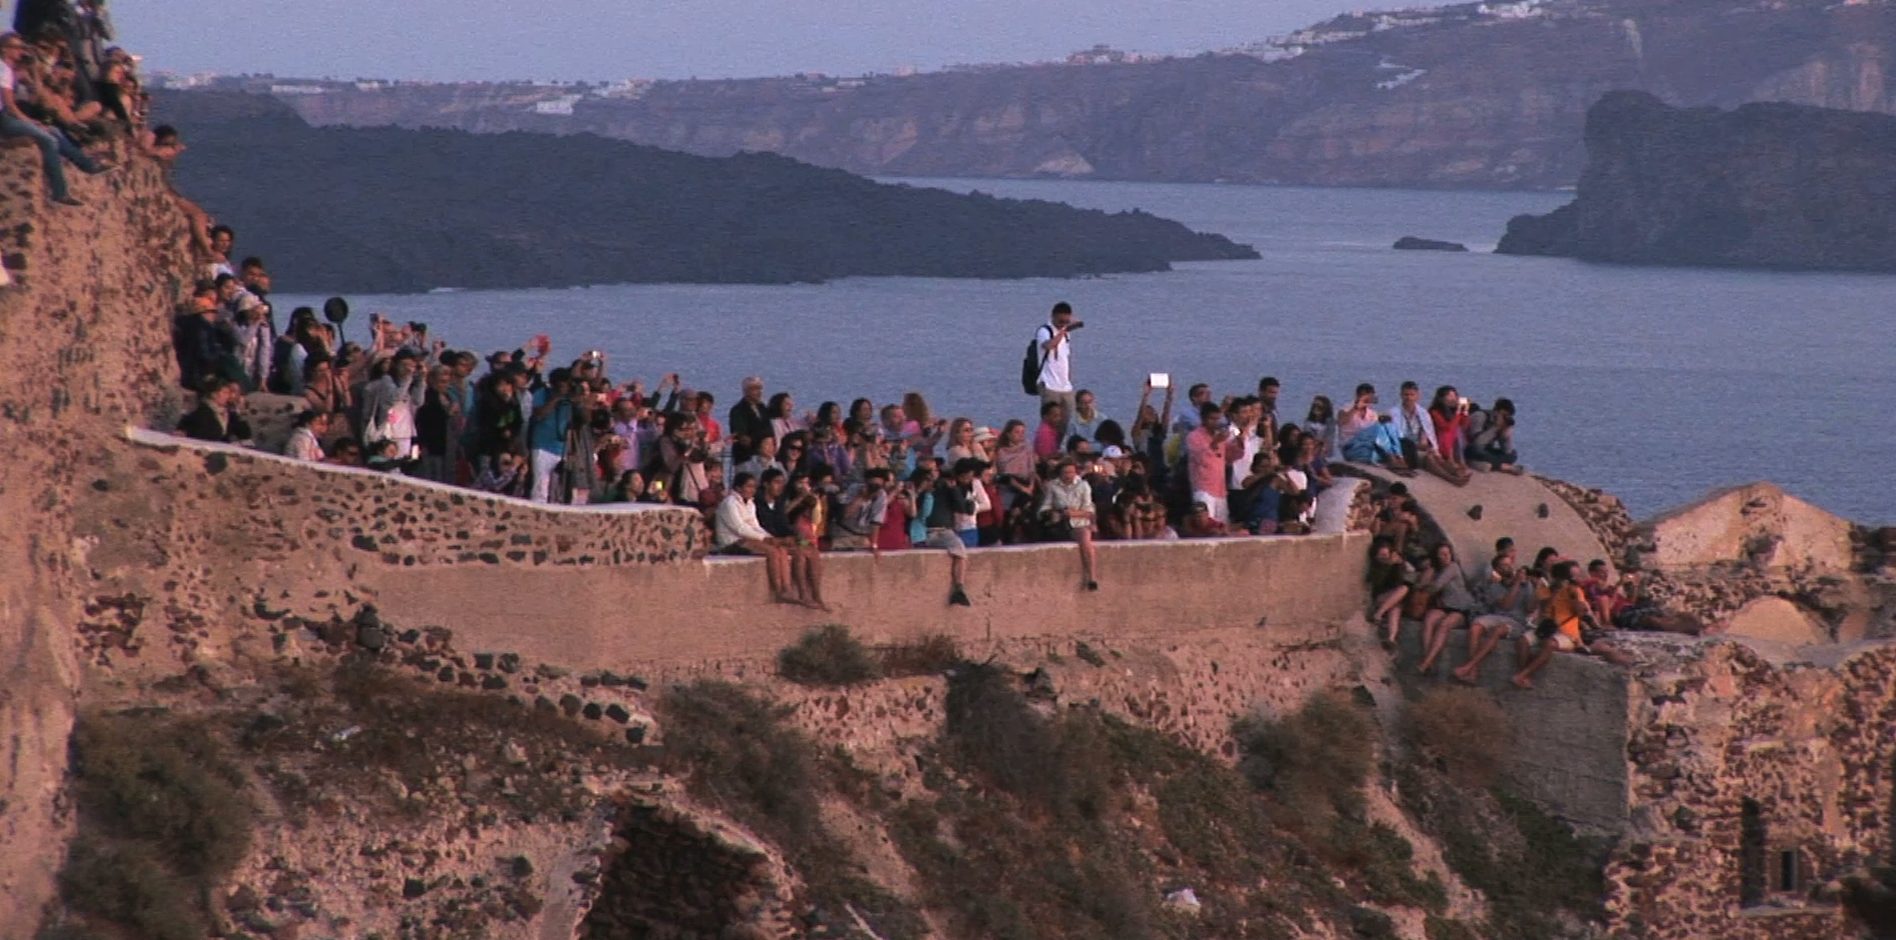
(84, 348)
(1768, 185)
(391, 209)
(1471, 95)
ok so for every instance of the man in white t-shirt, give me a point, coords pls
(1056, 359)
(53, 145)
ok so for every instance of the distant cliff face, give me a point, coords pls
(1771, 185)
(1476, 95)
(392, 209)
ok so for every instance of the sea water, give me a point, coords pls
(1657, 384)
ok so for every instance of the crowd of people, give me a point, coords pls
(1545, 608)
(788, 484)
(65, 90)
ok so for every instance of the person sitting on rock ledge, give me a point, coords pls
(217, 416)
(1567, 626)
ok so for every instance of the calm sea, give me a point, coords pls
(1655, 384)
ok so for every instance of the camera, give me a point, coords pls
(1075, 325)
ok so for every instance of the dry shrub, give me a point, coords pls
(827, 656)
(1316, 759)
(162, 817)
(1066, 766)
(739, 751)
(1462, 730)
(929, 656)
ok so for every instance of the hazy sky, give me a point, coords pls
(594, 39)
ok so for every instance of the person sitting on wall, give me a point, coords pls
(1508, 606)
(804, 512)
(346, 452)
(306, 438)
(863, 508)
(1453, 607)
(55, 147)
(1417, 433)
(737, 532)
(1633, 608)
(1490, 436)
(1448, 412)
(1565, 626)
(1398, 519)
(1069, 515)
(1390, 578)
(216, 417)
(1201, 524)
(953, 495)
(505, 475)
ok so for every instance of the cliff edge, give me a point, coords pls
(1765, 185)
(84, 349)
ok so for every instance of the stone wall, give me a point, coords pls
(1813, 752)
(1568, 748)
(718, 612)
(403, 521)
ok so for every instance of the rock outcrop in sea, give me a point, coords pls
(1764, 185)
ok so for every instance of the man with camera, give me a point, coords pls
(1056, 360)
(556, 406)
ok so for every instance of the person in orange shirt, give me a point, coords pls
(1568, 619)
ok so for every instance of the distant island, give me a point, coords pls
(389, 210)
(1765, 185)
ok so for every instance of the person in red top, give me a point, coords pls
(712, 432)
(893, 536)
(1047, 442)
(1449, 414)
(1602, 594)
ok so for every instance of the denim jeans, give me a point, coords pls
(53, 145)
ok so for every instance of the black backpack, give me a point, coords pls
(1031, 364)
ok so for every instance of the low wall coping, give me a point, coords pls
(162, 440)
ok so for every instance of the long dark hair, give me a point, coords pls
(1441, 399)
(775, 408)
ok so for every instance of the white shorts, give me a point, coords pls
(1220, 510)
